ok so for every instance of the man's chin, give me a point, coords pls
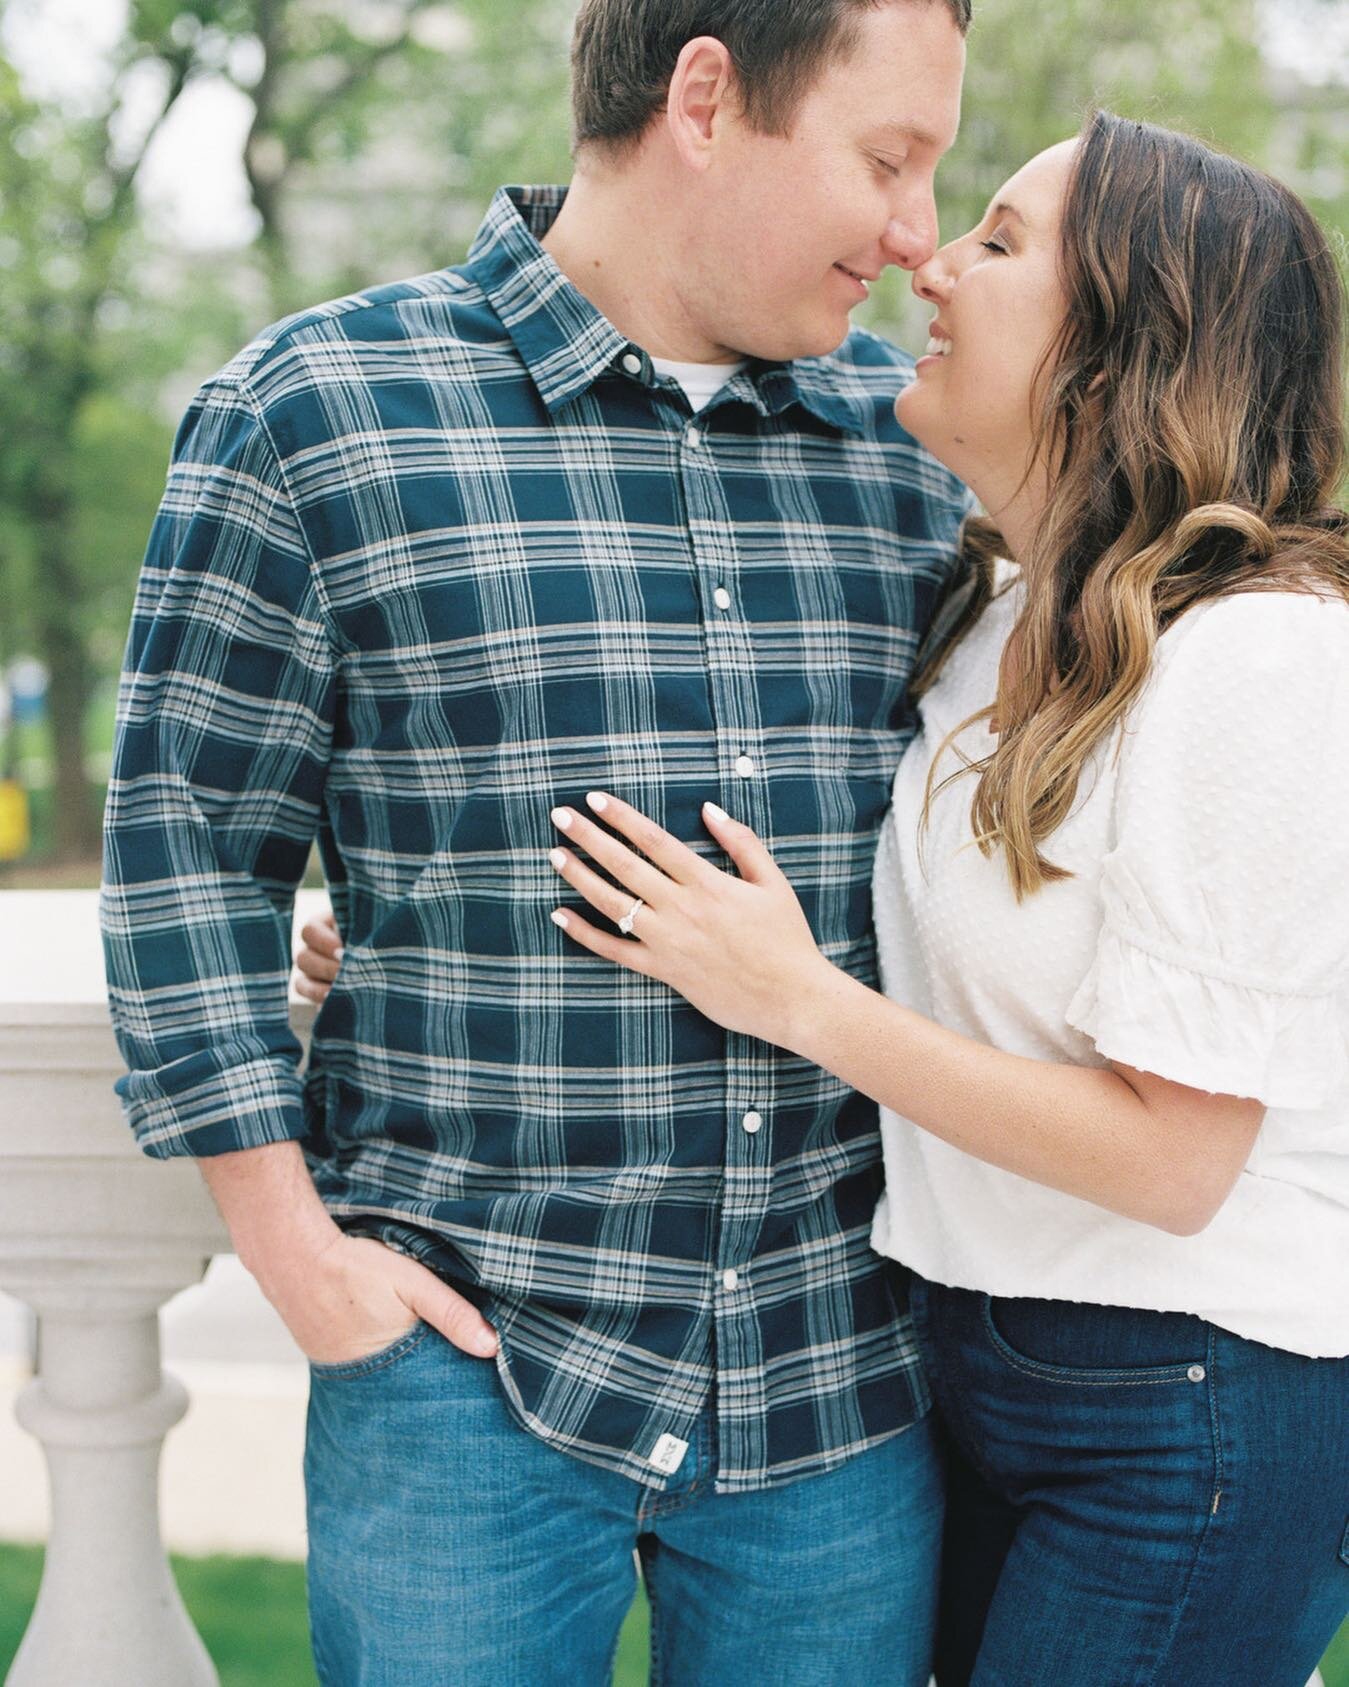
(817, 340)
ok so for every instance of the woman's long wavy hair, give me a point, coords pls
(1192, 411)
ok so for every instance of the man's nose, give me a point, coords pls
(911, 238)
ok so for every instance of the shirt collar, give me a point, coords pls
(566, 344)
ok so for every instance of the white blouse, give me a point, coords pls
(1204, 937)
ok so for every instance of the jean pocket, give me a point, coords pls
(1096, 1346)
(379, 1360)
(1344, 1546)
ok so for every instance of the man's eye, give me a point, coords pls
(885, 164)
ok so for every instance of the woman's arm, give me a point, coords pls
(1125, 1140)
(742, 952)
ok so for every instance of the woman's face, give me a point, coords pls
(999, 305)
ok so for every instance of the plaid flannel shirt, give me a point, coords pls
(431, 560)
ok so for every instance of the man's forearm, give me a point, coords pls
(275, 1216)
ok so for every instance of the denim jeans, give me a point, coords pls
(1135, 1499)
(447, 1545)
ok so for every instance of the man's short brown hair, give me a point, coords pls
(625, 51)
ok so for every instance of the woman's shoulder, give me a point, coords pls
(1285, 641)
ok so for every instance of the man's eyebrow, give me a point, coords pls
(911, 132)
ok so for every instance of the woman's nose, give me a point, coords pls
(934, 280)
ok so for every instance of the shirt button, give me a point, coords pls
(694, 436)
(730, 1279)
(752, 1122)
(722, 598)
(744, 766)
(633, 364)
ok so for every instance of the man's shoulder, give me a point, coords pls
(865, 375)
(442, 311)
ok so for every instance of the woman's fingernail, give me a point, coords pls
(557, 858)
(563, 817)
(559, 918)
(716, 813)
(597, 801)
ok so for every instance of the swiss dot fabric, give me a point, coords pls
(1204, 937)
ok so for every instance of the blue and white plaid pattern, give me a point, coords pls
(431, 560)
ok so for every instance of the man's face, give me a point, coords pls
(791, 229)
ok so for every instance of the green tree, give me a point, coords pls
(68, 218)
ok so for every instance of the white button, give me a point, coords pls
(744, 766)
(694, 436)
(633, 364)
(1196, 1373)
(730, 1279)
(722, 598)
(668, 1454)
(752, 1122)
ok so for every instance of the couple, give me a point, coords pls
(576, 599)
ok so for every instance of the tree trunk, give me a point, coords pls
(61, 646)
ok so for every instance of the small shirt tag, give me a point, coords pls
(668, 1454)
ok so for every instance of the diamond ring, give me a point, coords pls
(625, 924)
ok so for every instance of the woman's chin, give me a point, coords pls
(910, 411)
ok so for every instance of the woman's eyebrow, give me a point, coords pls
(1004, 208)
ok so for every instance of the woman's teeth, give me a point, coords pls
(937, 348)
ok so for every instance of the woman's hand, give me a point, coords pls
(739, 949)
(317, 959)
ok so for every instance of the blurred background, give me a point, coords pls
(174, 174)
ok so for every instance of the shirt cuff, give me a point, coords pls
(215, 1102)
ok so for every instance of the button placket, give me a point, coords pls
(735, 711)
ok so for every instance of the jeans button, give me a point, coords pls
(1196, 1373)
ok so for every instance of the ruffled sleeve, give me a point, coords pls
(1224, 950)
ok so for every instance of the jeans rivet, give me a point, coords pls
(1196, 1373)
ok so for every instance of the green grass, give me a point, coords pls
(251, 1614)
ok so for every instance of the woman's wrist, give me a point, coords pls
(815, 1006)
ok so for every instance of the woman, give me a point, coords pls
(1113, 910)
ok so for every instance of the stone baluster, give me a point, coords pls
(94, 1238)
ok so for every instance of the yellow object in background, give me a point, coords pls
(15, 831)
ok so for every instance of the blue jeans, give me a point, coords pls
(447, 1545)
(1135, 1499)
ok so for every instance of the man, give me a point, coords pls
(620, 502)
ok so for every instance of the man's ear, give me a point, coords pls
(700, 99)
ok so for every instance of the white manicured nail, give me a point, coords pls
(560, 919)
(557, 858)
(563, 818)
(597, 802)
(716, 813)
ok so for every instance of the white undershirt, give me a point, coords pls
(1204, 936)
(701, 381)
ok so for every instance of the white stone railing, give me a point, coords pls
(94, 1237)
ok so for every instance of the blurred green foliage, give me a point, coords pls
(379, 129)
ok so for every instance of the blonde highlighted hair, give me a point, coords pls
(1192, 413)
